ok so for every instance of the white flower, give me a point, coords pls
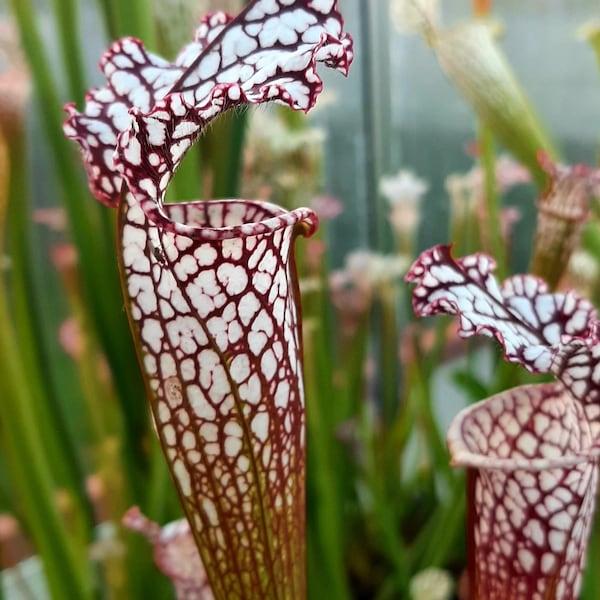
(403, 187)
(403, 192)
(376, 268)
(431, 584)
(583, 266)
(267, 130)
(365, 274)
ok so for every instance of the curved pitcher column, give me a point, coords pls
(215, 315)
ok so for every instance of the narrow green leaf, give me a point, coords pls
(30, 474)
(223, 145)
(26, 312)
(23, 447)
(87, 227)
(132, 18)
(66, 14)
(591, 582)
(326, 509)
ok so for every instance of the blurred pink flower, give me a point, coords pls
(175, 554)
(468, 188)
(55, 218)
(327, 207)
(15, 81)
(315, 250)
(64, 257)
(351, 296)
(69, 336)
(509, 217)
(364, 275)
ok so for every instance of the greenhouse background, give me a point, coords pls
(403, 154)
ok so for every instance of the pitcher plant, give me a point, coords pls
(210, 287)
(531, 452)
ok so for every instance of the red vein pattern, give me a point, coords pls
(562, 210)
(151, 111)
(544, 332)
(534, 491)
(532, 451)
(211, 287)
(216, 320)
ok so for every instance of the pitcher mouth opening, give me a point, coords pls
(483, 452)
(509, 465)
(227, 218)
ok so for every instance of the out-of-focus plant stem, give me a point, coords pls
(385, 513)
(65, 563)
(438, 538)
(187, 182)
(376, 107)
(376, 442)
(352, 370)
(162, 503)
(95, 248)
(221, 148)
(419, 385)
(388, 353)
(590, 241)
(132, 18)
(591, 583)
(48, 415)
(483, 9)
(492, 200)
(328, 506)
(104, 422)
(66, 14)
